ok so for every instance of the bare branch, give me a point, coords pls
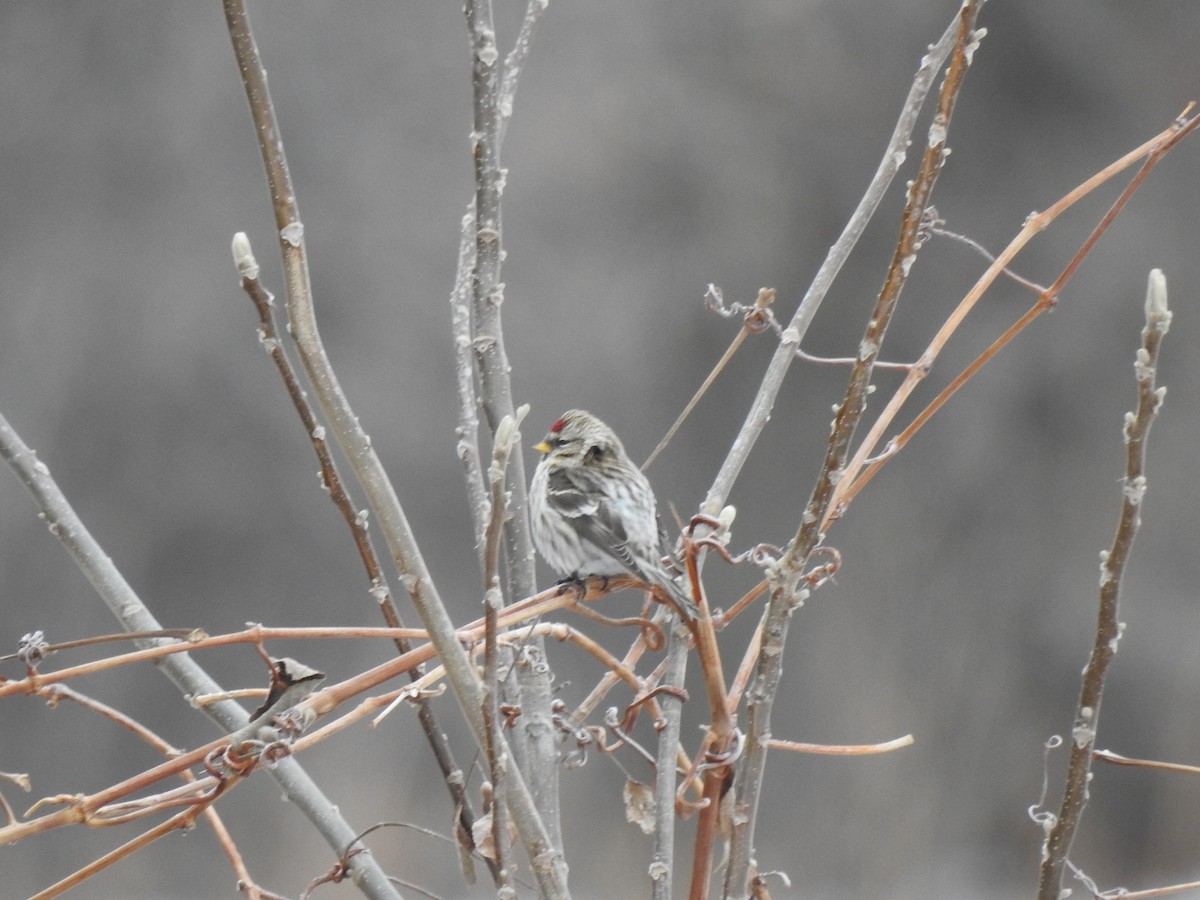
(191, 679)
(467, 431)
(757, 317)
(1061, 828)
(491, 359)
(663, 859)
(843, 749)
(355, 520)
(355, 444)
(863, 466)
(493, 95)
(893, 158)
(785, 587)
(495, 747)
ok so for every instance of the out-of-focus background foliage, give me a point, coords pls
(655, 148)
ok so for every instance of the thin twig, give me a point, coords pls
(990, 257)
(606, 684)
(889, 165)
(179, 822)
(787, 579)
(55, 693)
(1117, 759)
(1122, 894)
(865, 463)
(754, 318)
(355, 521)
(1061, 829)
(843, 749)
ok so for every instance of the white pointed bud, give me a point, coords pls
(1158, 316)
(243, 256)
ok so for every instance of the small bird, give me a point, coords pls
(593, 510)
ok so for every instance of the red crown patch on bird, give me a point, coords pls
(557, 426)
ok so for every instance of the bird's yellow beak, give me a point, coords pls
(543, 447)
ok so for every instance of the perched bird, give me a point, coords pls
(593, 510)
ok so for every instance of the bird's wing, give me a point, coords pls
(573, 495)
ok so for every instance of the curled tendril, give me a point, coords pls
(761, 555)
(585, 737)
(275, 751)
(224, 761)
(714, 759)
(757, 317)
(926, 228)
(534, 660)
(620, 729)
(819, 575)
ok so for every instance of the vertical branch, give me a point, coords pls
(494, 745)
(539, 744)
(786, 590)
(493, 94)
(462, 296)
(663, 861)
(491, 359)
(1061, 829)
(548, 864)
(514, 62)
(467, 431)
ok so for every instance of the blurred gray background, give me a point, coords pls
(655, 148)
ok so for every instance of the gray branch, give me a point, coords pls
(183, 671)
(793, 334)
(548, 864)
(494, 89)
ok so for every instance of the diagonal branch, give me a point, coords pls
(785, 593)
(861, 468)
(889, 165)
(264, 304)
(187, 675)
(548, 863)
